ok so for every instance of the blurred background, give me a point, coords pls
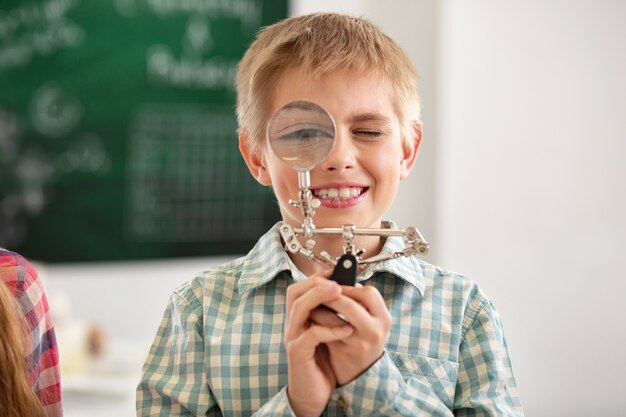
(120, 176)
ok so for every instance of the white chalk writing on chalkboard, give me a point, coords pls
(248, 11)
(193, 70)
(36, 29)
(54, 112)
(185, 181)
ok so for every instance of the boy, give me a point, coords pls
(249, 338)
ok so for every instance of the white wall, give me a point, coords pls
(125, 299)
(531, 194)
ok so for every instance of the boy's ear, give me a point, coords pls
(410, 150)
(255, 162)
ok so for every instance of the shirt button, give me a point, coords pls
(343, 404)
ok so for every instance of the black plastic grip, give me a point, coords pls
(345, 270)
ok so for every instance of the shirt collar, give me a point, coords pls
(268, 258)
(409, 269)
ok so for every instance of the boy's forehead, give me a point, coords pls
(368, 95)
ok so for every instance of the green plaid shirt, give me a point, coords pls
(219, 349)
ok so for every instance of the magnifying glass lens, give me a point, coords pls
(301, 134)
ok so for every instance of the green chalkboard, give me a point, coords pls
(117, 129)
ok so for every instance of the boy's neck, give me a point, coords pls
(334, 246)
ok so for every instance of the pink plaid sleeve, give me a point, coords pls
(43, 357)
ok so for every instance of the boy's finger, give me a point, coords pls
(369, 297)
(352, 311)
(315, 335)
(305, 343)
(296, 290)
(300, 310)
(326, 317)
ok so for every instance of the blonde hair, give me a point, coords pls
(318, 44)
(16, 394)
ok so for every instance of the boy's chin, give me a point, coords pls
(332, 218)
(338, 221)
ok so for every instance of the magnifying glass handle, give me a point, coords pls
(345, 270)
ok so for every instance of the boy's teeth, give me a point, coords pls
(338, 193)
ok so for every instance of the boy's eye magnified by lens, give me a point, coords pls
(305, 134)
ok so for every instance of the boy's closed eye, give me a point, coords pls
(370, 125)
(368, 133)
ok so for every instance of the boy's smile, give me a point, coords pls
(358, 181)
(339, 195)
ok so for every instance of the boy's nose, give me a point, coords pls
(342, 157)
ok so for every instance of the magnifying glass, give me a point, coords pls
(302, 134)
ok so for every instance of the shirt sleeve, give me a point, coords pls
(485, 385)
(278, 406)
(173, 382)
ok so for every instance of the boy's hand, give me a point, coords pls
(311, 379)
(365, 310)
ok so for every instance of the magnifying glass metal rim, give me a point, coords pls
(295, 166)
